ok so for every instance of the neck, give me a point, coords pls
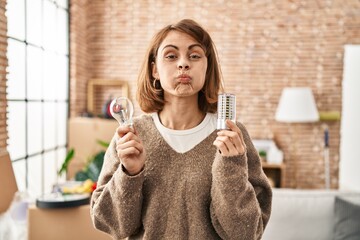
(181, 114)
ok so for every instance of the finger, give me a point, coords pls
(230, 145)
(239, 145)
(221, 146)
(122, 130)
(134, 129)
(223, 139)
(235, 138)
(232, 149)
(128, 137)
(227, 139)
(231, 134)
(128, 152)
(233, 127)
(130, 144)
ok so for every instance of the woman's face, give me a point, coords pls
(180, 65)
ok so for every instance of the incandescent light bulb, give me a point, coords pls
(122, 110)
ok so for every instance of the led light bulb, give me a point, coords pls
(122, 110)
(226, 109)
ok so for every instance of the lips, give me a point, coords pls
(184, 78)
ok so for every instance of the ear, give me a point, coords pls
(155, 73)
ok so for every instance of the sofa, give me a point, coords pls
(314, 214)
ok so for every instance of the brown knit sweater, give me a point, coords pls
(194, 195)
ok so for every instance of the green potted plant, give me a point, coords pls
(89, 174)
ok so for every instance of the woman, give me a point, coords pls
(172, 175)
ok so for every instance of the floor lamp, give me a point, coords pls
(296, 105)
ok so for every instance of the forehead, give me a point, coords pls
(178, 39)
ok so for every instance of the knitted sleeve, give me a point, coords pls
(241, 194)
(116, 202)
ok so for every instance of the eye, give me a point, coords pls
(194, 56)
(170, 56)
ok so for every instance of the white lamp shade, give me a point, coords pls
(297, 105)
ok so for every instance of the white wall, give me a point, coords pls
(349, 175)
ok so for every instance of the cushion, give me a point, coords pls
(304, 214)
(347, 220)
(300, 214)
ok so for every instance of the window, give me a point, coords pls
(37, 90)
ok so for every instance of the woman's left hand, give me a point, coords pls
(230, 142)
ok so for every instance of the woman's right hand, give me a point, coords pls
(130, 149)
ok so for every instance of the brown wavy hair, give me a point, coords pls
(151, 98)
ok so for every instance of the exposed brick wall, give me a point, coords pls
(80, 64)
(3, 65)
(263, 47)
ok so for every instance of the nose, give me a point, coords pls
(183, 65)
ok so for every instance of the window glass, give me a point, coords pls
(37, 91)
(61, 154)
(20, 174)
(62, 83)
(15, 12)
(34, 127)
(62, 32)
(16, 70)
(50, 75)
(33, 22)
(16, 129)
(50, 171)
(62, 113)
(62, 3)
(49, 26)
(34, 73)
(35, 175)
(49, 125)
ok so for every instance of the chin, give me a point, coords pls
(185, 90)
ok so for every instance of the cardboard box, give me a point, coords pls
(62, 223)
(83, 136)
(8, 186)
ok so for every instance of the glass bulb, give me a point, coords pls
(122, 110)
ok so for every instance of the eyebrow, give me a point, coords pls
(189, 48)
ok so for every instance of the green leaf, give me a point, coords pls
(103, 143)
(93, 166)
(262, 153)
(99, 159)
(81, 176)
(93, 172)
(66, 162)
